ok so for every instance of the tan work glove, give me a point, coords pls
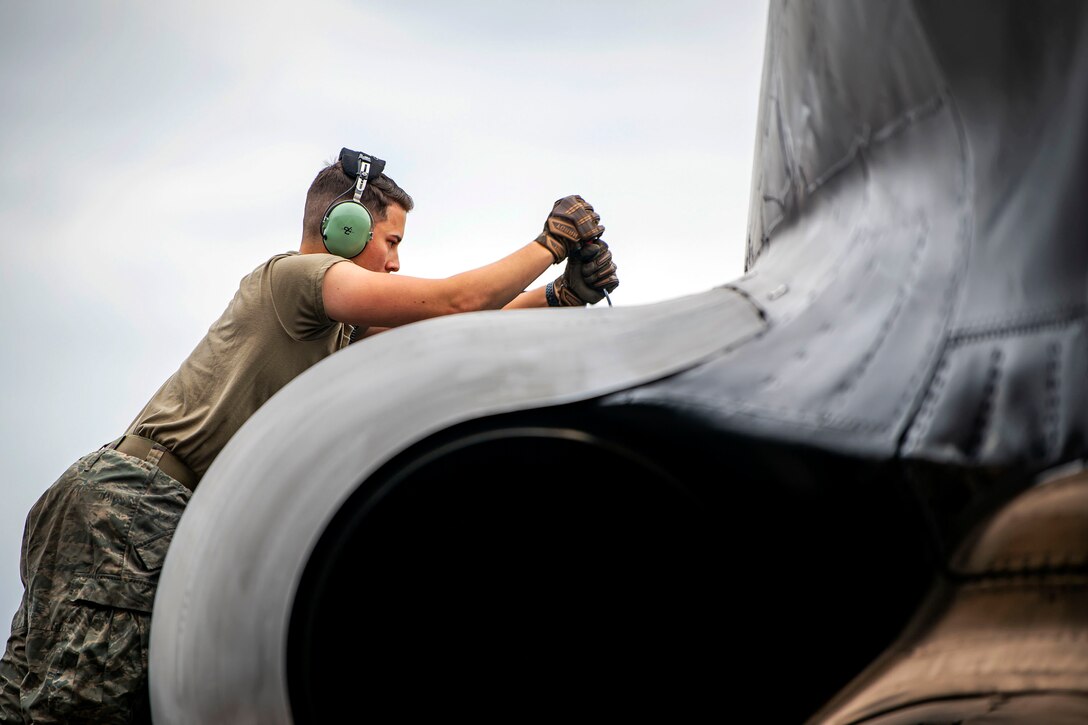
(571, 223)
(589, 272)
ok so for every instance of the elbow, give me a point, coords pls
(469, 301)
(462, 297)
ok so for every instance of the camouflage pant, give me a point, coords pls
(92, 550)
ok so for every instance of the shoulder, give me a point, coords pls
(305, 266)
(294, 288)
(292, 273)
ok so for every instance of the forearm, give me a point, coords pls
(501, 284)
(528, 299)
(361, 297)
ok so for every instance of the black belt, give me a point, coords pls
(168, 463)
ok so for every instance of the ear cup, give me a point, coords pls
(346, 228)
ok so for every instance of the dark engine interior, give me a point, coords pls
(574, 558)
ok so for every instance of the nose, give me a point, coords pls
(392, 261)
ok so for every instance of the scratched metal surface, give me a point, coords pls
(918, 238)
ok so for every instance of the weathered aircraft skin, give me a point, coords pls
(780, 495)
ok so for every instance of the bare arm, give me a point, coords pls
(528, 299)
(360, 297)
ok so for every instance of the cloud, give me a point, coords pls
(153, 154)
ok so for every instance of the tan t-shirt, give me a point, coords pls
(273, 329)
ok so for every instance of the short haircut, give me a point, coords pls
(332, 184)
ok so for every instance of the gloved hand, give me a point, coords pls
(571, 223)
(589, 272)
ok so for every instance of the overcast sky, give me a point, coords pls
(154, 153)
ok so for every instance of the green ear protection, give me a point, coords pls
(348, 225)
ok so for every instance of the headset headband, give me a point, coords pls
(352, 162)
